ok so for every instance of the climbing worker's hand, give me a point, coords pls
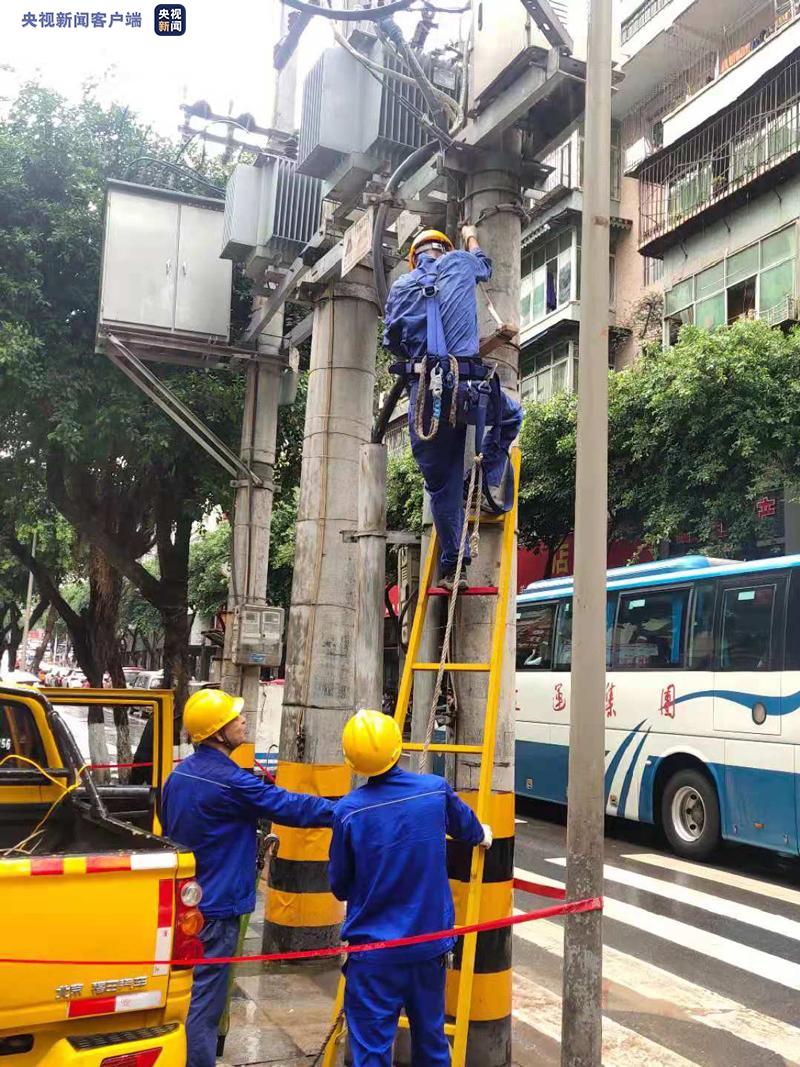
(469, 234)
(488, 836)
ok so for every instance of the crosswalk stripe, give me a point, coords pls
(696, 1002)
(692, 938)
(712, 874)
(540, 1009)
(729, 909)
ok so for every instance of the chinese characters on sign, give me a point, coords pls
(767, 507)
(170, 21)
(76, 20)
(559, 701)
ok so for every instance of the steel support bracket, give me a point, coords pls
(391, 537)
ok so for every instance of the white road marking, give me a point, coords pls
(693, 939)
(711, 874)
(520, 822)
(540, 1009)
(729, 909)
(692, 1001)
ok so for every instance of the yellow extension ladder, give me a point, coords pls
(459, 1029)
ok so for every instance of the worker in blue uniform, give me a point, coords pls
(431, 324)
(388, 860)
(212, 806)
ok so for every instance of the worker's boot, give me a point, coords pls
(448, 580)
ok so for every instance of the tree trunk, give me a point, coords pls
(105, 592)
(49, 628)
(14, 638)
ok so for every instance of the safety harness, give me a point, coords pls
(469, 381)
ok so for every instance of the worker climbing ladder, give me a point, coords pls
(493, 667)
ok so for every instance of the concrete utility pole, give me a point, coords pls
(371, 576)
(251, 525)
(319, 694)
(253, 504)
(581, 1044)
(499, 235)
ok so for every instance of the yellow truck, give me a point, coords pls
(83, 877)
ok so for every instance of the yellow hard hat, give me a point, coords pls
(208, 711)
(371, 742)
(428, 237)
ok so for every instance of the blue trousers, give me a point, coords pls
(209, 990)
(374, 996)
(441, 461)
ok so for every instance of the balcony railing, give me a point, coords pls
(703, 66)
(734, 150)
(640, 18)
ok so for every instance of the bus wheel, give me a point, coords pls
(690, 814)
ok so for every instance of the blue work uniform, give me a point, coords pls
(212, 806)
(411, 334)
(388, 860)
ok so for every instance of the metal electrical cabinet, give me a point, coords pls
(161, 267)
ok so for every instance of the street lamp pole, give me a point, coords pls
(581, 1043)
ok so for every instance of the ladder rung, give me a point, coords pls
(478, 667)
(449, 1028)
(487, 518)
(473, 590)
(416, 746)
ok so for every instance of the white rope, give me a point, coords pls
(473, 501)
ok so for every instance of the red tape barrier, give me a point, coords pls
(568, 908)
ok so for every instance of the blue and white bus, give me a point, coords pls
(702, 698)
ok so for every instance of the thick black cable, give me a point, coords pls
(386, 412)
(411, 163)
(369, 14)
(393, 35)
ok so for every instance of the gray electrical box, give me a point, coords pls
(257, 636)
(161, 269)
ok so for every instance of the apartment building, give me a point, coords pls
(710, 122)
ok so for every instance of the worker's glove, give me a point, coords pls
(467, 232)
(488, 836)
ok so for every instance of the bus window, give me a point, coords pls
(535, 637)
(563, 645)
(701, 629)
(792, 657)
(650, 629)
(747, 622)
(563, 652)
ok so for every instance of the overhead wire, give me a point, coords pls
(361, 14)
(66, 790)
(377, 68)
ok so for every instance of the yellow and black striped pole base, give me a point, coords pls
(301, 911)
(490, 1012)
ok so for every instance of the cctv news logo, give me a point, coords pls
(170, 21)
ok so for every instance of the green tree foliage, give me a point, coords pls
(209, 569)
(404, 493)
(125, 476)
(697, 433)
